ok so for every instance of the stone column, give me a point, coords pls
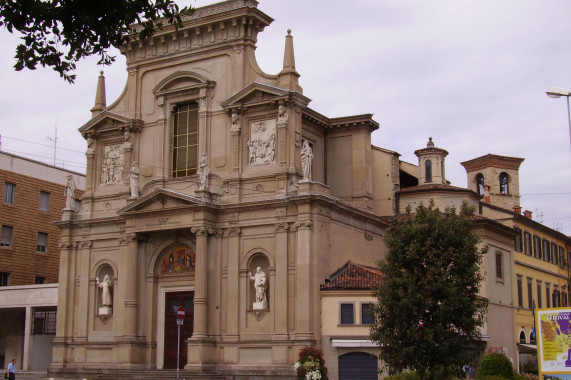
(128, 278)
(200, 283)
(200, 347)
(27, 339)
(281, 291)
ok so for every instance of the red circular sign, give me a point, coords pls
(180, 312)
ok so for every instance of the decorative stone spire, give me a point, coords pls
(287, 78)
(100, 100)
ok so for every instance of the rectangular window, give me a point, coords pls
(548, 294)
(6, 236)
(9, 192)
(527, 243)
(44, 322)
(367, 317)
(499, 273)
(562, 262)
(185, 140)
(539, 303)
(546, 250)
(44, 201)
(42, 245)
(563, 299)
(529, 293)
(40, 280)
(519, 291)
(537, 246)
(4, 279)
(347, 315)
(518, 243)
(554, 255)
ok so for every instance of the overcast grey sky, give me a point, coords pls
(470, 74)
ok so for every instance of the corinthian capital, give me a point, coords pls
(303, 224)
(126, 238)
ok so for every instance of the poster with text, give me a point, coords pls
(554, 340)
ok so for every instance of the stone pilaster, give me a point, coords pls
(303, 305)
(84, 255)
(281, 291)
(128, 276)
(232, 305)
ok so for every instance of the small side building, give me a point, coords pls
(346, 319)
(32, 199)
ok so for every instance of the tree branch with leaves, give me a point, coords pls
(58, 33)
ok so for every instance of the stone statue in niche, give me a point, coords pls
(282, 116)
(134, 180)
(106, 299)
(235, 123)
(306, 161)
(70, 193)
(203, 172)
(260, 283)
(262, 142)
(112, 168)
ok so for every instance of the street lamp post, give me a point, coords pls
(556, 92)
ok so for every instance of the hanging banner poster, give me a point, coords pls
(554, 341)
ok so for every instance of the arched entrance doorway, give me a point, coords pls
(176, 288)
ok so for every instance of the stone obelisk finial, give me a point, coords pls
(100, 101)
(287, 78)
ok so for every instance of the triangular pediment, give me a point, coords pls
(107, 120)
(255, 93)
(160, 199)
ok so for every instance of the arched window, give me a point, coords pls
(504, 179)
(522, 337)
(480, 184)
(428, 170)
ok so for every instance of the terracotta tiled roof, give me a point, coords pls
(353, 276)
(435, 187)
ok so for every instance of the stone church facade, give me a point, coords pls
(212, 185)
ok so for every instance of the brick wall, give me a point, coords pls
(22, 260)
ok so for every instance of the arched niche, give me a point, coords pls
(259, 290)
(105, 284)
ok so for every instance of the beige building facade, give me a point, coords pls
(211, 185)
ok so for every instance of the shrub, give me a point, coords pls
(404, 376)
(310, 364)
(495, 364)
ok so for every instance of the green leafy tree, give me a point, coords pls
(58, 33)
(428, 311)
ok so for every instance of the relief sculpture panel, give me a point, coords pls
(112, 168)
(262, 142)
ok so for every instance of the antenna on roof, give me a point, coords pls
(55, 142)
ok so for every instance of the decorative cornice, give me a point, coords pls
(126, 238)
(303, 224)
